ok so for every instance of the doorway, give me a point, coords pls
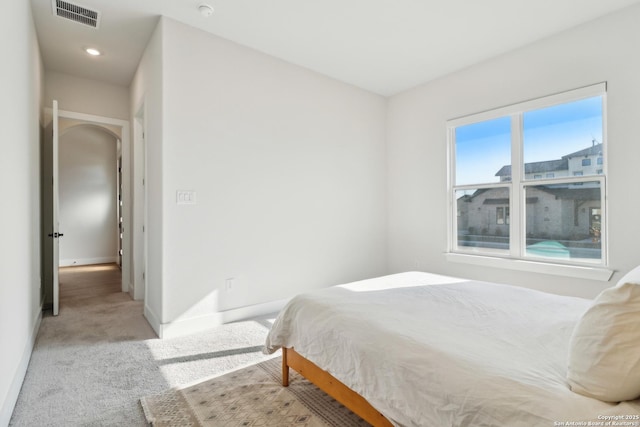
(120, 213)
(89, 209)
(88, 195)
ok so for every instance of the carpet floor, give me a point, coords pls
(92, 363)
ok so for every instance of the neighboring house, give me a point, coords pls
(569, 212)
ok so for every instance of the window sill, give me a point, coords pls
(583, 272)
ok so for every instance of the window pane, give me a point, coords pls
(483, 218)
(564, 221)
(563, 139)
(483, 152)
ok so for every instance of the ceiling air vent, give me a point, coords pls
(76, 13)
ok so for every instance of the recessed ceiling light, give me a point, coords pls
(93, 52)
(205, 10)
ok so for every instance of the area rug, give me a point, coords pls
(251, 396)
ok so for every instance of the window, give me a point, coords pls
(498, 161)
(502, 215)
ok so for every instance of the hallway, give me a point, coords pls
(94, 309)
(77, 283)
(93, 362)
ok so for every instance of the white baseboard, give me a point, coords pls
(242, 313)
(202, 323)
(153, 320)
(14, 389)
(88, 261)
(191, 325)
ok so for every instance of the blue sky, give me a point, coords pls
(549, 133)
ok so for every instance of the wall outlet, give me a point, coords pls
(228, 284)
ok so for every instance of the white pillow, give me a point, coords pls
(604, 350)
(633, 276)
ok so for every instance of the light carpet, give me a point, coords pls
(251, 396)
(92, 363)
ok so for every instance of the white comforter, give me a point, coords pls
(429, 350)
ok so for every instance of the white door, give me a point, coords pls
(55, 235)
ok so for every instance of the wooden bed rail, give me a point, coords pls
(330, 385)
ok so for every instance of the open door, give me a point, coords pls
(55, 235)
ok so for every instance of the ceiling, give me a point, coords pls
(384, 46)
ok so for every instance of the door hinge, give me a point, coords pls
(143, 276)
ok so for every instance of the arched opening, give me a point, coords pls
(90, 213)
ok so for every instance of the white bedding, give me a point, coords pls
(430, 350)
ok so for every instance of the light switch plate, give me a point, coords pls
(185, 197)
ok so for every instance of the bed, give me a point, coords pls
(420, 349)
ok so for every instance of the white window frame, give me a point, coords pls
(515, 258)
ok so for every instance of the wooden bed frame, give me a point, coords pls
(330, 385)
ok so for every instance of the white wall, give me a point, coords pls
(88, 196)
(603, 50)
(86, 96)
(289, 171)
(20, 292)
(147, 96)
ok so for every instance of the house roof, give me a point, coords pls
(566, 193)
(553, 165)
(538, 167)
(589, 193)
(594, 150)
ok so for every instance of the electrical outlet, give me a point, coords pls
(228, 284)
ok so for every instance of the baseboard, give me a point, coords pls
(14, 389)
(153, 320)
(88, 261)
(242, 313)
(189, 326)
(202, 323)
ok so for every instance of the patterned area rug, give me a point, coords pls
(251, 396)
